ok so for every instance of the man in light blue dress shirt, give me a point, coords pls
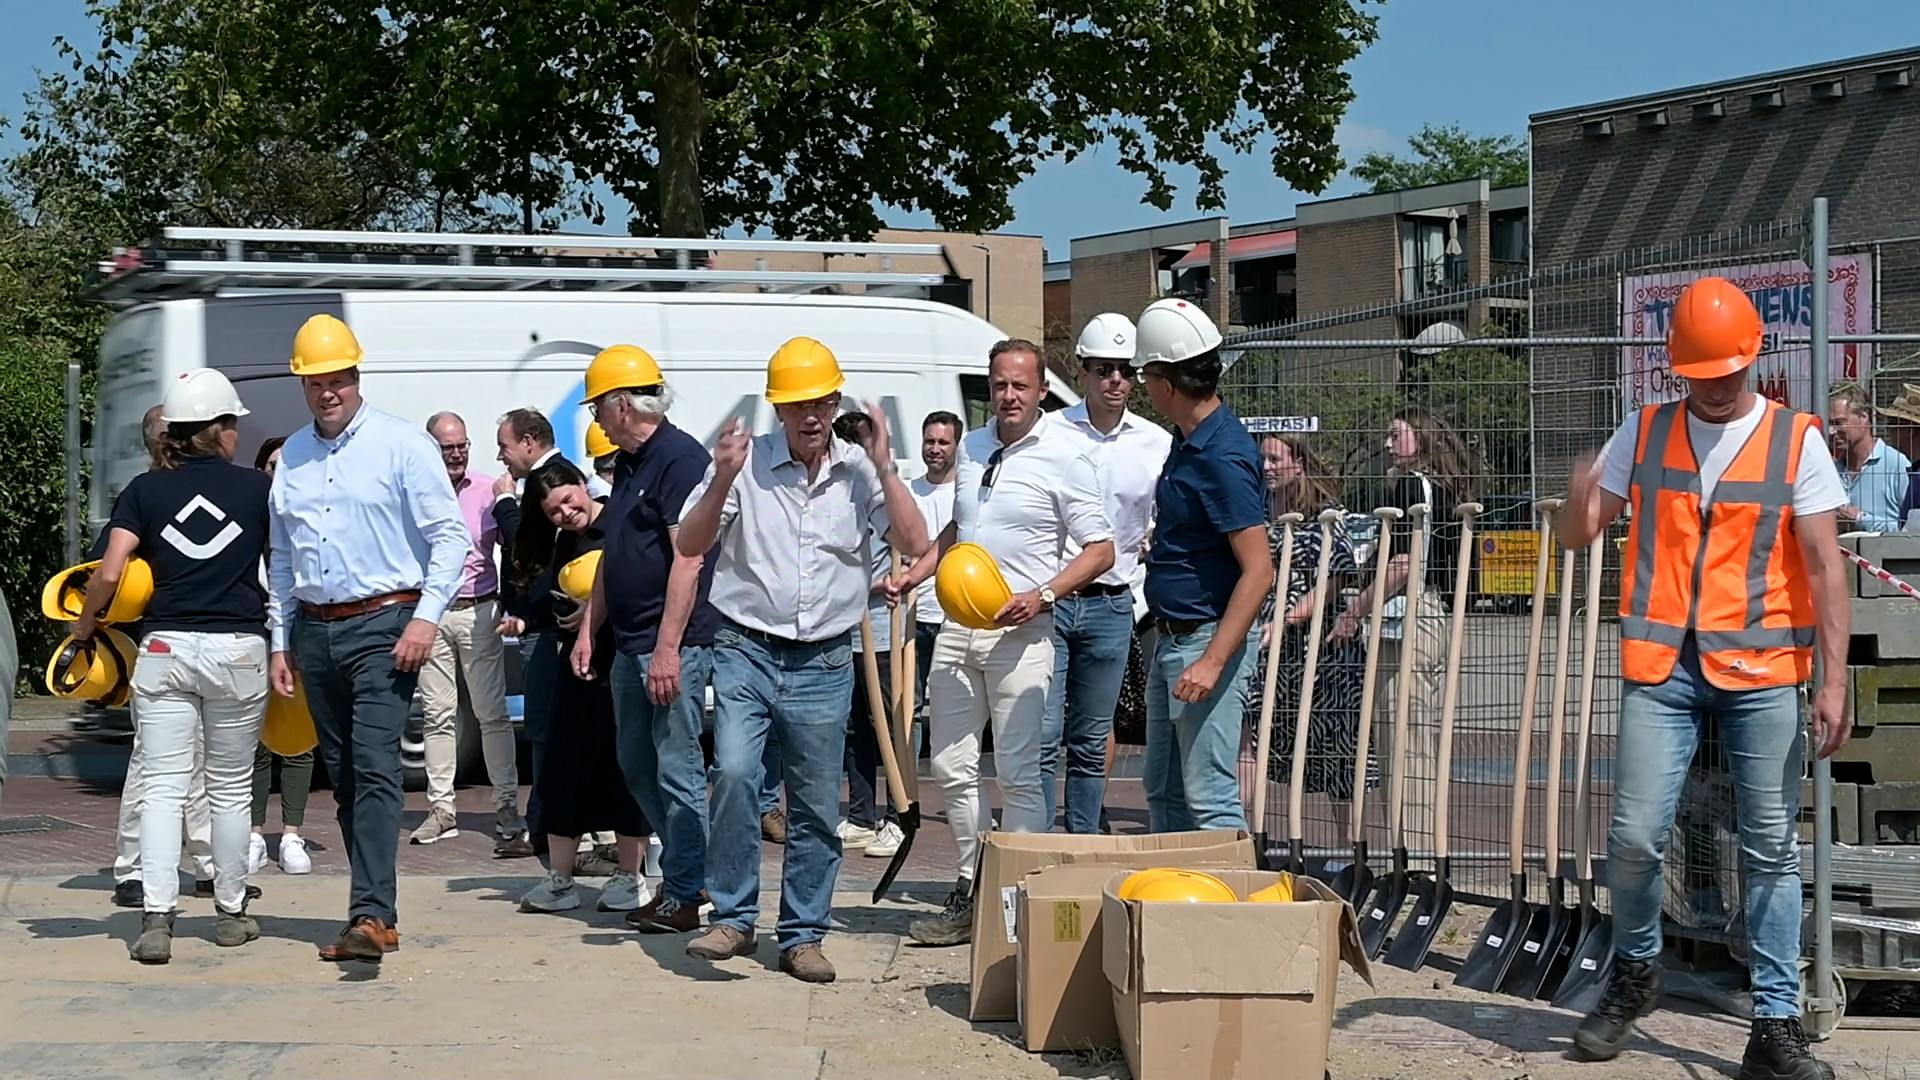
(1874, 473)
(367, 548)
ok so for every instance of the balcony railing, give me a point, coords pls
(1433, 277)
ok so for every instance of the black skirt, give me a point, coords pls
(582, 789)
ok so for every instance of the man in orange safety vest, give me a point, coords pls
(1730, 579)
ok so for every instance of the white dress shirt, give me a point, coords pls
(1129, 459)
(936, 506)
(363, 515)
(792, 556)
(1045, 494)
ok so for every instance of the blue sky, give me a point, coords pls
(1485, 64)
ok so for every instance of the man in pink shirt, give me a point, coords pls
(467, 648)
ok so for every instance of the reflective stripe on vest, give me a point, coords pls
(1725, 570)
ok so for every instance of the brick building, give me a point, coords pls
(1619, 179)
(1126, 271)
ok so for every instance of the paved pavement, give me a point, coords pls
(480, 990)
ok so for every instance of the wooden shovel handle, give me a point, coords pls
(1296, 793)
(1530, 689)
(1450, 694)
(1589, 666)
(1387, 515)
(1557, 719)
(1263, 736)
(870, 665)
(1403, 686)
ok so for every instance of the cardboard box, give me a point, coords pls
(1228, 990)
(1005, 858)
(1064, 1000)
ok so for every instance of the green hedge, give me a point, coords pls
(32, 489)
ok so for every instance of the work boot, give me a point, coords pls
(666, 916)
(1777, 1050)
(953, 925)
(234, 928)
(130, 893)
(155, 944)
(807, 963)
(773, 826)
(1633, 989)
(721, 943)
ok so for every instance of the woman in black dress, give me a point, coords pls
(1297, 482)
(580, 785)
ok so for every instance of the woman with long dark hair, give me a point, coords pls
(1297, 482)
(200, 522)
(1432, 466)
(296, 770)
(580, 785)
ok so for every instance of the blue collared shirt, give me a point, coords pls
(1212, 487)
(1879, 489)
(362, 515)
(650, 488)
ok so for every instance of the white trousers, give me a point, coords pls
(213, 686)
(980, 677)
(198, 824)
(467, 645)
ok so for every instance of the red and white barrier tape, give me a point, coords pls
(1882, 574)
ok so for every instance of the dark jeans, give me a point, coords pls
(537, 674)
(1091, 636)
(863, 747)
(923, 637)
(360, 704)
(296, 780)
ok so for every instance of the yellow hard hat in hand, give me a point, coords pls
(970, 587)
(576, 578)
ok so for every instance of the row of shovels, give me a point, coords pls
(1551, 952)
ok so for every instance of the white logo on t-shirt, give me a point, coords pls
(212, 547)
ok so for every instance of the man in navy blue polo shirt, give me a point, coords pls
(1208, 568)
(656, 601)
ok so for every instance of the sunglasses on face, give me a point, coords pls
(1107, 369)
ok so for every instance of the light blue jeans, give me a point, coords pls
(1091, 636)
(665, 768)
(802, 693)
(1660, 725)
(1193, 747)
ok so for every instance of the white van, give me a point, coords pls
(480, 354)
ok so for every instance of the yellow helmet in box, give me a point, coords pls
(1280, 892)
(1174, 885)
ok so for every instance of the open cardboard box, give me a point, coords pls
(1065, 1002)
(1006, 858)
(1228, 990)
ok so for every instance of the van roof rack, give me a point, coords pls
(188, 262)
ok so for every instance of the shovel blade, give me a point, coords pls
(1354, 884)
(1588, 966)
(909, 828)
(1543, 956)
(1410, 945)
(1381, 909)
(1499, 945)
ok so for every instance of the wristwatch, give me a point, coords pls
(1046, 596)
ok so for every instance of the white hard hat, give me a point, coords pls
(200, 394)
(1173, 331)
(1108, 337)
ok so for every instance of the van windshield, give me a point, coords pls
(129, 385)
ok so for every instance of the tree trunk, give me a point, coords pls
(683, 115)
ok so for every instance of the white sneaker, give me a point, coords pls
(625, 892)
(886, 841)
(854, 836)
(554, 893)
(256, 853)
(293, 854)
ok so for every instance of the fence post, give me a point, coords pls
(1821, 1007)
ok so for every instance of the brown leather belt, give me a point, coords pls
(352, 608)
(462, 603)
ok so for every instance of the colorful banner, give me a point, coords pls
(1783, 294)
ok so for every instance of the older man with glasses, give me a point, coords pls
(467, 646)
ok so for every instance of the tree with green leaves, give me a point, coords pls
(1444, 153)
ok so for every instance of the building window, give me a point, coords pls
(1507, 244)
(1426, 267)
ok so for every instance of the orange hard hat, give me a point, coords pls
(1715, 330)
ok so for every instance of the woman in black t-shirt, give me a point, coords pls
(200, 522)
(1431, 467)
(581, 788)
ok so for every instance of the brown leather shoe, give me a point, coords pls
(367, 939)
(807, 963)
(720, 943)
(644, 918)
(773, 826)
(671, 917)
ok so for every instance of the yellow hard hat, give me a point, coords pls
(621, 367)
(802, 370)
(576, 578)
(1280, 892)
(99, 670)
(970, 587)
(1168, 884)
(65, 593)
(323, 346)
(288, 729)
(598, 445)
